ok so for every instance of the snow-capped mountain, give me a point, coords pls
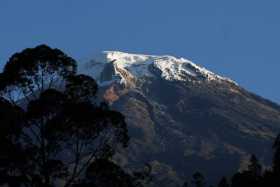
(183, 118)
(139, 66)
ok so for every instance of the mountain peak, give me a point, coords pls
(140, 66)
(177, 109)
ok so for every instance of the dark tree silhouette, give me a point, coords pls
(186, 184)
(198, 179)
(143, 177)
(250, 177)
(59, 133)
(30, 72)
(253, 176)
(223, 183)
(12, 159)
(276, 156)
(239, 180)
(104, 173)
(255, 168)
(84, 93)
(269, 179)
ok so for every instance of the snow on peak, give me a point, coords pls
(139, 66)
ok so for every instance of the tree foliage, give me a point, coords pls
(223, 183)
(55, 136)
(198, 179)
(34, 70)
(276, 156)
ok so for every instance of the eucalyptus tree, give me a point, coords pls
(52, 128)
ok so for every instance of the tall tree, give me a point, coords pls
(250, 177)
(254, 167)
(60, 132)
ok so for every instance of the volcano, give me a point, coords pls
(183, 118)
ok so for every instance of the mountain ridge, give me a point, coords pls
(163, 62)
(183, 118)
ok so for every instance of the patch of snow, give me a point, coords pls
(92, 68)
(137, 65)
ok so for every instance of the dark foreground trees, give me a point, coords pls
(253, 176)
(53, 132)
(198, 180)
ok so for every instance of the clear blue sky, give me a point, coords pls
(236, 38)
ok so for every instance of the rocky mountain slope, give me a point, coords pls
(183, 118)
